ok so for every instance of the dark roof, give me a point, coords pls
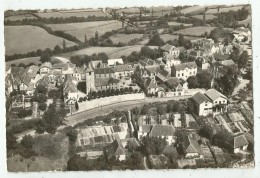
(190, 145)
(163, 75)
(221, 57)
(46, 64)
(200, 98)
(150, 83)
(162, 130)
(153, 69)
(101, 82)
(90, 67)
(116, 148)
(185, 65)
(146, 128)
(240, 141)
(104, 71)
(173, 81)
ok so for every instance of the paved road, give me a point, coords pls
(84, 115)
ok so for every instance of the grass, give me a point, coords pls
(247, 21)
(224, 9)
(207, 17)
(112, 52)
(20, 17)
(167, 37)
(70, 13)
(79, 30)
(194, 31)
(178, 23)
(124, 38)
(26, 38)
(129, 10)
(26, 61)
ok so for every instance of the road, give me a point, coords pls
(241, 85)
(84, 115)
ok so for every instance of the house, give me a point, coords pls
(151, 86)
(163, 131)
(68, 69)
(219, 101)
(116, 150)
(70, 90)
(144, 130)
(184, 70)
(203, 62)
(240, 34)
(170, 60)
(182, 163)
(190, 147)
(219, 69)
(202, 105)
(163, 75)
(169, 49)
(45, 68)
(123, 71)
(114, 62)
(173, 83)
(239, 143)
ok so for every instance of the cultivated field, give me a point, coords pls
(194, 31)
(124, 38)
(207, 17)
(224, 9)
(178, 23)
(167, 37)
(20, 17)
(129, 10)
(112, 52)
(79, 30)
(23, 39)
(71, 13)
(26, 61)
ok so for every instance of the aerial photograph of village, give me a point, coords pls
(129, 88)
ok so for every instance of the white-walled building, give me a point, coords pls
(184, 70)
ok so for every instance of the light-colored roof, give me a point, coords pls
(228, 62)
(46, 64)
(214, 94)
(240, 141)
(167, 47)
(111, 62)
(104, 71)
(123, 67)
(116, 148)
(185, 65)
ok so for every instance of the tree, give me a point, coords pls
(204, 79)
(156, 40)
(41, 89)
(22, 65)
(57, 49)
(243, 60)
(181, 40)
(10, 140)
(73, 135)
(64, 45)
(45, 57)
(76, 105)
(77, 163)
(27, 141)
(192, 82)
(42, 106)
(136, 158)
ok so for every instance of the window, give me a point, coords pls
(182, 74)
(89, 73)
(178, 75)
(219, 102)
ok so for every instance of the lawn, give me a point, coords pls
(26, 38)
(178, 23)
(112, 52)
(167, 37)
(247, 21)
(79, 30)
(124, 38)
(224, 9)
(195, 31)
(71, 13)
(20, 17)
(207, 17)
(129, 10)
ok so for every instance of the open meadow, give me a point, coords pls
(124, 38)
(196, 9)
(173, 23)
(112, 52)
(26, 38)
(224, 9)
(207, 17)
(167, 37)
(194, 31)
(70, 13)
(79, 30)
(19, 17)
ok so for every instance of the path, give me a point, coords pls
(145, 163)
(240, 86)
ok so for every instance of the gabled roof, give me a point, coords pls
(162, 130)
(123, 67)
(32, 71)
(240, 141)
(26, 79)
(149, 83)
(185, 65)
(90, 67)
(213, 94)
(163, 75)
(145, 128)
(104, 71)
(167, 47)
(200, 98)
(229, 62)
(116, 148)
(102, 82)
(68, 65)
(114, 61)
(153, 69)
(220, 57)
(173, 81)
(46, 64)
(190, 145)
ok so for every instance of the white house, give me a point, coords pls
(202, 104)
(163, 131)
(219, 101)
(240, 143)
(115, 149)
(45, 68)
(114, 62)
(184, 70)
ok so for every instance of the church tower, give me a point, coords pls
(90, 78)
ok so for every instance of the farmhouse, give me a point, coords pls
(184, 70)
(219, 101)
(191, 147)
(239, 143)
(114, 62)
(202, 104)
(45, 68)
(116, 150)
(163, 131)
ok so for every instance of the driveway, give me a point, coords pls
(240, 86)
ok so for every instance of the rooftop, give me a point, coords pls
(185, 65)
